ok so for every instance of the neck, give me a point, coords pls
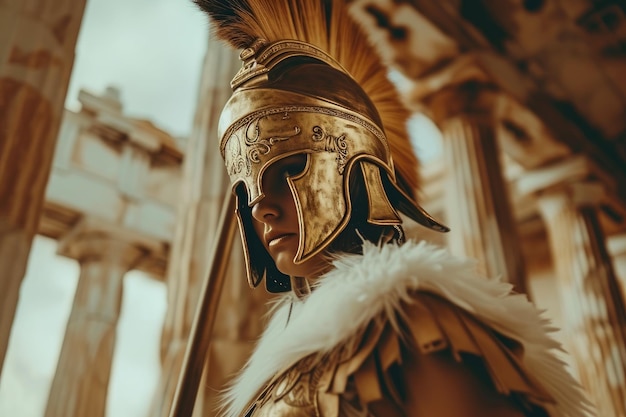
(300, 286)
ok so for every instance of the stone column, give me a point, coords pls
(478, 208)
(36, 58)
(595, 325)
(205, 187)
(80, 385)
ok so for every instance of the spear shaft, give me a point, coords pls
(206, 311)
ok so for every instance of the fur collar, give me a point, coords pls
(360, 287)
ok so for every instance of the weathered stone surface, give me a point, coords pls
(115, 168)
(595, 325)
(81, 382)
(36, 58)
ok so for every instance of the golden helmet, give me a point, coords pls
(292, 96)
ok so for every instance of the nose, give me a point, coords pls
(265, 210)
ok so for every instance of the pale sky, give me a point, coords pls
(152, 51)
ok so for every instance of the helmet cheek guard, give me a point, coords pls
(323, 201)
(321, 204)
(259, 263)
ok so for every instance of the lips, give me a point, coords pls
(277, 237)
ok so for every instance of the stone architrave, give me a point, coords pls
(36, 58)
(80, 384)
(205, 186)
(592, 303)
(477, 203)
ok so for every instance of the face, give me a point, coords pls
(275, 220)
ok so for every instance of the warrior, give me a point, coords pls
(370, 323)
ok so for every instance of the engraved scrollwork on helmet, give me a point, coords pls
(304, 109)
(257, 145)
(235, 161)
(335, 144)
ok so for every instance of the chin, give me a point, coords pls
(286, 266)
(293, 271)
(283, 259)
(284, 263)
(308, 269)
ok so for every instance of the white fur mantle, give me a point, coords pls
(360, 287)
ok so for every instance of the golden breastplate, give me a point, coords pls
(318, 385)
(295, 392)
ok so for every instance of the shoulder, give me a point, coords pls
(424, 302)
(436, 351)
(391, 303)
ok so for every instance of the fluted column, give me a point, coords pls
(478, 208)
(80, 384)
(206, 185)
(595, 325)
(37, 44)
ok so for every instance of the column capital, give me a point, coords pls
(474, 99)
(576, 195)
(464, 68)
(562, 174)
(461, 87)
(94, 239)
